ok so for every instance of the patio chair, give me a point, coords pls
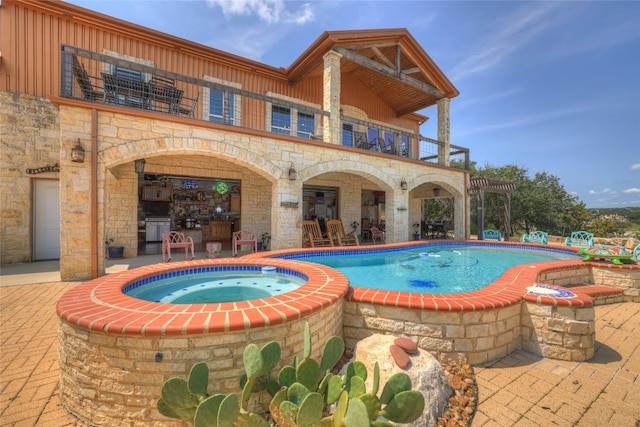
(176, 240)
(312, 235)
(376, 234)
(536, 237)
(581, 239)
(491, 234)
(337, 232)
(189, 110)
(84, 81)
(241, 238)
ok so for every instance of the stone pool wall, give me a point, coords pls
(477, 336)
(116, 380)
(626, 277)
(558, 332)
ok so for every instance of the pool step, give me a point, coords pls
(601, 294)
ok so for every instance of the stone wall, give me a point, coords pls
(563, 333)
(260, 162)
(116, 380)
(96, 205)
(30, 139)
(477, 337)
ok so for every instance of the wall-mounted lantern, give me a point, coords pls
(77, 153)
(403, 184)
(292, 173)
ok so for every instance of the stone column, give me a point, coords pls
(444, 130)
(286, 212)
(397, 215)
(75, 208)
(332, 131)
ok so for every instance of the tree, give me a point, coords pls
(540, 203)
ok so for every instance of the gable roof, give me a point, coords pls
(388, 61)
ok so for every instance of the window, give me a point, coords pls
(404, 145)
(281, 120)
(306, 125)
(372, 136)
(347, 135)
(128, 74)
(221, 107)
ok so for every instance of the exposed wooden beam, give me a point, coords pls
(381, 56)
(411, 70)
(387, 71)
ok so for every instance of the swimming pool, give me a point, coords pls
(431, 268)
(216, 285)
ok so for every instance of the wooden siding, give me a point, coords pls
(33, 33)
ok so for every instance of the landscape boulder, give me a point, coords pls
(426, 373)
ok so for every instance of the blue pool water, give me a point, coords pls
(215, 286)
(433, 269)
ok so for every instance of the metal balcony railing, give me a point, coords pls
(108, 79)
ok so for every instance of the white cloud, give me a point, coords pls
(635, 167)
(631, 190)
(270, 11)
(513, 32)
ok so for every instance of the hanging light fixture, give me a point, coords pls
(436, 192)
(139, 165)
(403, 184)
(77, 153)
(292, 173)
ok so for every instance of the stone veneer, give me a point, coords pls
(30, 139)
(116, 380)
(492, 322)
(116, 351)
(209, 150)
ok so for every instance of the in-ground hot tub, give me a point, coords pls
(116, 351)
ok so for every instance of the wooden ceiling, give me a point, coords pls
(389, 62)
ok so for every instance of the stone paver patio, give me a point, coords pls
(518, 390)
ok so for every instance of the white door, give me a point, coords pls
(46, 220)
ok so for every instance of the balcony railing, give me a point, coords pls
(108, 79)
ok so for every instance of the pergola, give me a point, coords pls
(491, 185)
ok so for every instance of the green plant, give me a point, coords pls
(301, 395)
(266, 239)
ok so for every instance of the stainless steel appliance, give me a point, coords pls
(154, 228)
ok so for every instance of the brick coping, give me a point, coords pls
(99, 305)
(510, 289)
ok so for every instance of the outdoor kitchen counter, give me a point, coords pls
(194, 233)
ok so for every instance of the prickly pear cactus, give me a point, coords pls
(181, 398)
(300, 395)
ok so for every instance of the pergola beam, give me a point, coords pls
(481, 185)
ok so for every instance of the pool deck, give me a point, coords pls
(518, 390)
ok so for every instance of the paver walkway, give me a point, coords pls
(518, 390)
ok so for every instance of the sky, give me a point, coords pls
(552, 87)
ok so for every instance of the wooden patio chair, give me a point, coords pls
(312, 235)
(244, 238)
(337, 232)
